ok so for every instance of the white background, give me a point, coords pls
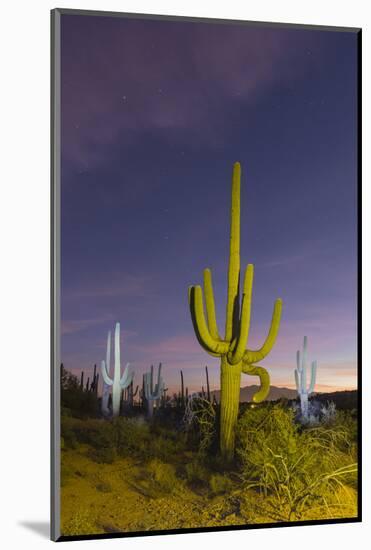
(24, 268)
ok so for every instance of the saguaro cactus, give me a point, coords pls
(106, 387)
(235, 358)
(207, 384)
(117, 382)
(152, 392)
(301, 378)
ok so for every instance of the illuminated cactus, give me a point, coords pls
(235, 358)
(301, 378)
(117, 382)
(106, 387)
(152, 393)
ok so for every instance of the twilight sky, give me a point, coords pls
(154, 113)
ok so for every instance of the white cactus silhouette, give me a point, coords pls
(117, 382)
(301, 378)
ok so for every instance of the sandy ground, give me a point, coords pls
(108, 498)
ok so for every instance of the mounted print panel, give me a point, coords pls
(205, 364)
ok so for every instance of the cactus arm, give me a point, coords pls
(108, 352)
(236, 356)
(117, 353)
(255, 370)
(234, 254)
(208, 342)
(304, 366)
(297, 381)
(304, 356)
(106, 378)
(298, 366)
(127, 377)
(210, 304)
(151, 380)
(159, 379)
(252, 356)
(313, 377)
(194, 323)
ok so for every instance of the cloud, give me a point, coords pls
(123, 77)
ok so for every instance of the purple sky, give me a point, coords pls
(154, 113)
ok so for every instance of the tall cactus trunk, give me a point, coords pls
(304, 404)
(150, 404)
(230, 382)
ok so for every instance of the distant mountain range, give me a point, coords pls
(343, 399)
(247, 393)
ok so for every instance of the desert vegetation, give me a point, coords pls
(138, 473)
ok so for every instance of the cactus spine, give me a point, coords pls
(301, 378)
(153, 393)
(117, 382)
(235, 358)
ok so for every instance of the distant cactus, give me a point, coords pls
(117, 382)
(106, 387)
(301, 378)
(152, 392)
(182, 388)
(207, 384)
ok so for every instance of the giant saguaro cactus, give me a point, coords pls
(235, 358)
(301, 378)
(117, 382)
(153, 392)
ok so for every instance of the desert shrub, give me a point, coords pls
(94, 432)
(163, 476)
(220, 484)
(98, 434)
(103, 455)
(196, 473)
(67, 433)
(200, 416)
(132, 436)
(167, 445)
(297, 467)
(78, 402)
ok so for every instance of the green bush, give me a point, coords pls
(297, 467)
